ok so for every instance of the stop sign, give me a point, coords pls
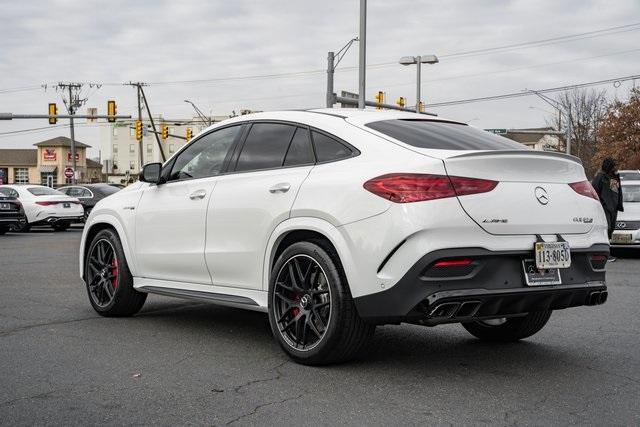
(68, 172)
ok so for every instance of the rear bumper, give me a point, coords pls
(494, 286)
(50, 220)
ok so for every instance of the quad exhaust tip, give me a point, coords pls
(597, 297)
(449, 310)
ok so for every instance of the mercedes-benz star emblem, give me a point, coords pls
(621, 225)
(541, 195)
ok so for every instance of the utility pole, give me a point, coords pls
(142, 98)
(330, 71)
(567, 112)
(73, 104)
(362, 63)
(418, 80)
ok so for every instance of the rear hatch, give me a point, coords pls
(533, 195)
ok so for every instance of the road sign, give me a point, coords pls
(497, 131)
(68, 172)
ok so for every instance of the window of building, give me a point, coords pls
(115, 148)
(132, 164)
(132, 148)
(328, 149)
(132, 132)
(48, 179)
(114, 131)
(172, 148)
(265, 146)
(21, 175)
(149, 148)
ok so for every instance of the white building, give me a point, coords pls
(121, 153)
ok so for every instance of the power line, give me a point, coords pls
(520, 94)
(534, 43)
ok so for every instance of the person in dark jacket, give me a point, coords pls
(607, 185)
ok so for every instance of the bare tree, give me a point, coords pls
(586, 109)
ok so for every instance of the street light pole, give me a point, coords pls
(363, 55)
(418, 82)
(330, 71)
(418, 61)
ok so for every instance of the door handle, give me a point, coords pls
(281, 187)
(198, 194)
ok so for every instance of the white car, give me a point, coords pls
(335, 221)
(46, 206)
(627, 230)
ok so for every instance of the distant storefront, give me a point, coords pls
(46, 164)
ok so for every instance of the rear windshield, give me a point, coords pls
(443, 135)
(631, 193)
(44, 191)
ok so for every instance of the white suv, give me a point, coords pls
(334, 221)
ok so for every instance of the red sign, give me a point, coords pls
(69, 156)
(68, 172)
(49, 153)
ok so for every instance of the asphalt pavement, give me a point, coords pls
(183, 362)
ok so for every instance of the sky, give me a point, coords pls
(210, 52)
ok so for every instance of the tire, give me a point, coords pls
(513, 329)
(24, 229)
(125, 300)
(61, 227)
(344, 334)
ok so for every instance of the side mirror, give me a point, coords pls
(152, 173)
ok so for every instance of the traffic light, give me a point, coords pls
(111, 111)
(379, 98)
(139, 130)
(165, 131)
(53, 112)
(189, 134)
(401, 102)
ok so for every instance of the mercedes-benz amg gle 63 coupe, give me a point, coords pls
(335, 221)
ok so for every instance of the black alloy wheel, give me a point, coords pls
(103, 273)
(302, 302)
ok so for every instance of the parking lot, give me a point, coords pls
(184, 362)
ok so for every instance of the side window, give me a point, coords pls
(64, 190)
(300, 151)
(205, 157)
(85, 193)
(265, 146)
(328, 149)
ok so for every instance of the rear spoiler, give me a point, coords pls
(525, 152)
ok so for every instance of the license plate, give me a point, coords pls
(66, 205)
(621, 238)
(5, 206)
(540, 277)
(552, 255)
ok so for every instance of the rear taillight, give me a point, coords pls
(414, 187)
(585, 188)
(56, 202)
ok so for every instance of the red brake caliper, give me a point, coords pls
(114, 273)
(296, 310)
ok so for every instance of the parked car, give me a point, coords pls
(11, 212)
(629, 175)
(335, 221)
(627, 231)
(46, 206)
(89, 194)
